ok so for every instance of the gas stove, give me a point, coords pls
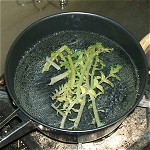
(133, 133)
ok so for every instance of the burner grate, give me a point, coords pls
(135, 123)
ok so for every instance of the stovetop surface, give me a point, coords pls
(134, 15)
(131, 130)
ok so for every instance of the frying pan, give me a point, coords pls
(28, 86)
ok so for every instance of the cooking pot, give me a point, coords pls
(28, 87)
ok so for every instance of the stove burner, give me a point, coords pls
(132, 128)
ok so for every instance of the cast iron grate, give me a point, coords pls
(28, 142)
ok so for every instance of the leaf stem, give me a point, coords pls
(78, 90)
(59, 77)
(79, 113)
(72, 78)
(93, 72)
(95, 111)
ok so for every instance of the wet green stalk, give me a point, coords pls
(78, 91)
(95, 111)
(72, 78)
(82, 80)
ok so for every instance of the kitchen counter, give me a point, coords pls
(134, 15)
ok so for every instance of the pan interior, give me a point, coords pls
(34, 94)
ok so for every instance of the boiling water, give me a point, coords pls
(34, 94)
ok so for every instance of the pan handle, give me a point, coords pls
(23, 128)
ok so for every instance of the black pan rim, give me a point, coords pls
(65, 130)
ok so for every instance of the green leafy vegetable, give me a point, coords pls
(84, 81)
